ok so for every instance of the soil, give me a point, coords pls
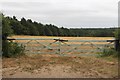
(55, 66)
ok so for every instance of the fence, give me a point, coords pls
(62, 46)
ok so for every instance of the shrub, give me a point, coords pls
(12, 49)
(108, 52)
(117, 34)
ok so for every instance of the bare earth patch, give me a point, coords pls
(53, 66)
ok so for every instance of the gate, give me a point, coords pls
(62, 46)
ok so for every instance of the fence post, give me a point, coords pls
(59, 46)
(117, 44)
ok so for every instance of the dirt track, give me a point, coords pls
(53, 66)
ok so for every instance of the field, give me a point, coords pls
(73, 46)
(55, 66)
(77, 38)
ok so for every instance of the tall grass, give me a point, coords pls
(108, 52)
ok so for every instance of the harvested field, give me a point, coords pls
(55, 66)
(65, 47)
(69, 38)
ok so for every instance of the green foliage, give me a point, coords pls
(6, 28)
(10, 26)
(17, 27)
(47, 31)
(28, 27)
(108, 52)
(94, 32)
(117, 34)
(12, 49)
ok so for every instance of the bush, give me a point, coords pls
(12, 49)
(117, 34)
(108, 52)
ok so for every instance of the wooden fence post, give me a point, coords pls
(117, 44)
(59, 46)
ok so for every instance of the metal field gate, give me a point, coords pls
(63, 46)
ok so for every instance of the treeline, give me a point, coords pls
(95, 32)
(29, 27)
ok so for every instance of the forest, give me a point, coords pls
(11, 25)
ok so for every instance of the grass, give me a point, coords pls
(108, 52)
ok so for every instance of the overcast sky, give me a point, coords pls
(66, 13)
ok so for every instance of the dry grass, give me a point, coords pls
(64, 48)
(55, 66)
(69, 38)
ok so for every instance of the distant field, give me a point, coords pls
(64, 48)
(69, 38)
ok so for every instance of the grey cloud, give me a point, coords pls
(67, 13)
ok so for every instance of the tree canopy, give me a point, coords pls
(28, 27)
